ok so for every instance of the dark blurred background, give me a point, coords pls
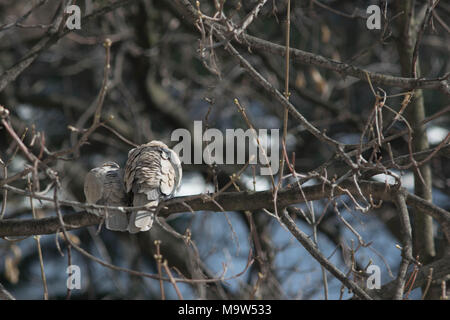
(159, 82)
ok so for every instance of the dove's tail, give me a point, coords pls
(142, 220)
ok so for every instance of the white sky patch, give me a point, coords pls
(310, 182)
(291, 141)
(406, 179)
(351, 138)
(25, 111)
(192, 184)
(38, 204)
(261, 183)
(17, 165)
(436, 134)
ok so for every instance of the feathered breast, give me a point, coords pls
(149, 168)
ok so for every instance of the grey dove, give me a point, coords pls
(104, 186)
(152, 173)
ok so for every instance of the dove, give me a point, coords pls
(152, 173)
(104, 186)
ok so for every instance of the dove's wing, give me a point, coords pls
(93, 187)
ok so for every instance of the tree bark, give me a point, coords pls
(408, 26)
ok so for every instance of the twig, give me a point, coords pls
(442, 22)
(278, 96)
(4, 294)
(286, 94)
(323, 62)
(5, 191)
(250, 17)
(444, 290)
(311, 248)
(22, 18)
(407, 245)
(253, 130)
(118, 135)
(427, 287)
(158, 258)
(172, 280)
(342, 14)
(54, 33)
(426, 20)
(69, 263)
(38, 244)
(411, 281)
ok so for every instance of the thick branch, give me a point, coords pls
(232, 201)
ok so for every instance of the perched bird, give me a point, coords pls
(104, 185)
(152, 173)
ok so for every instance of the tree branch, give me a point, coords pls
(312, 249)
(441, 269)
(185, 8)
(229, 201)
(51, 37)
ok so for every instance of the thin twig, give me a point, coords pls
(427, 287)
(407, 245)
(38, 244)
(172, 280)
(158, 258)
